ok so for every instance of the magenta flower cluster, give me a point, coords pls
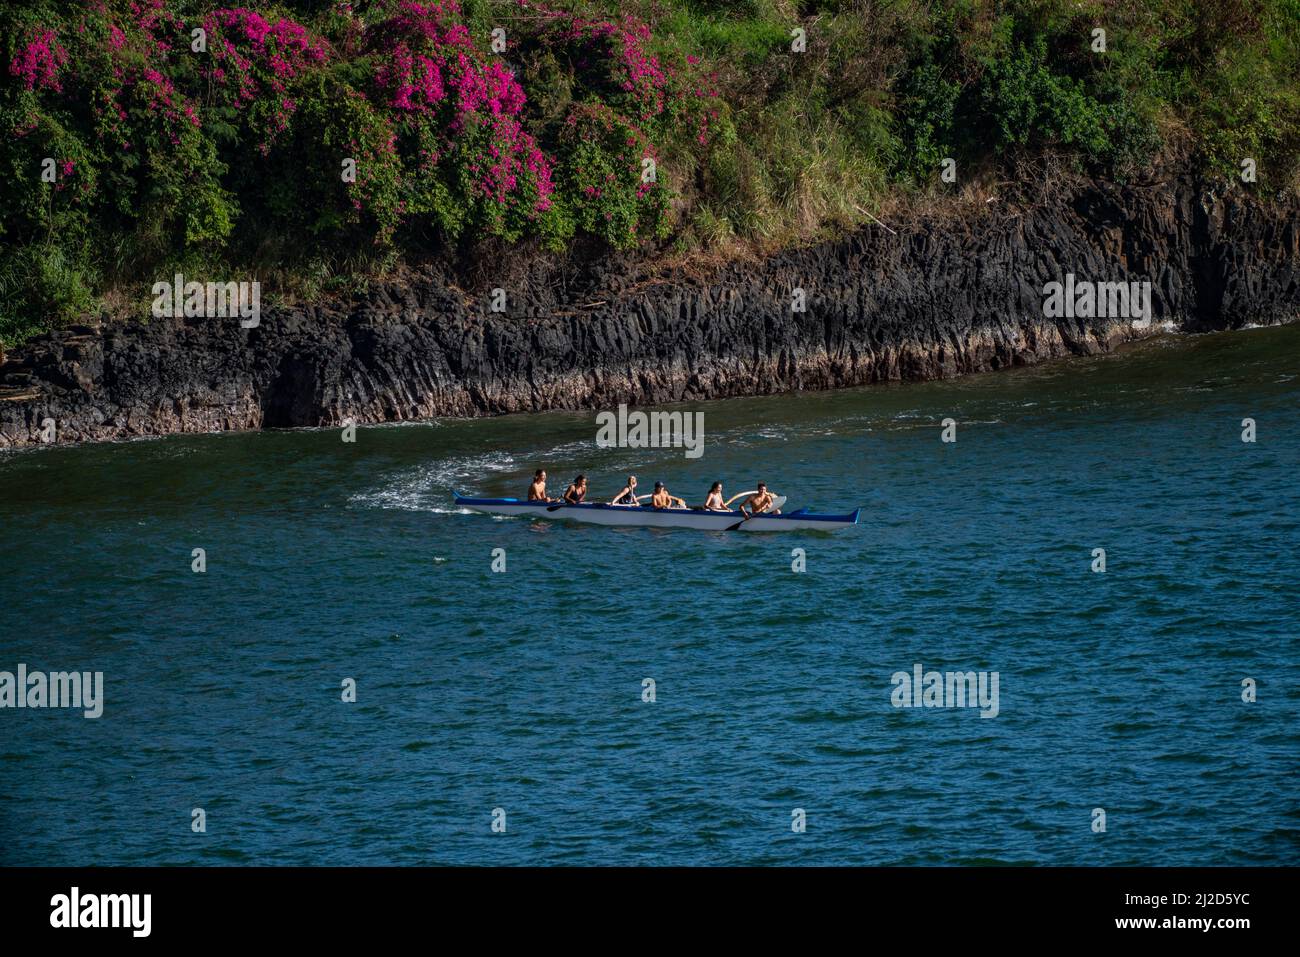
(511, 154)
(415, 78)
(618, 48)
(621, 53)
(164, 99)
(638, 73)
(39, 62)
(432, 70)
(252, 56)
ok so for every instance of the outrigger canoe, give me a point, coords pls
(598, 513)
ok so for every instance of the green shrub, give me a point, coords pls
(40, 286)
(604, 178)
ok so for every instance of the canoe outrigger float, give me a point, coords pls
(597, 513)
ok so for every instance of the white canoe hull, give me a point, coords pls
(645, 516)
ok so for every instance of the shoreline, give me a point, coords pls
(1125, 348)
(937, 298)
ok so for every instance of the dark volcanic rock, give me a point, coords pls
(940, 297)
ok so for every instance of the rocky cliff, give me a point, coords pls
(934, 297)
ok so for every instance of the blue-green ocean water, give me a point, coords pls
(522, 690)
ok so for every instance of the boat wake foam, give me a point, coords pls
(427, 488)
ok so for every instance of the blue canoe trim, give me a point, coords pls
(849, 518)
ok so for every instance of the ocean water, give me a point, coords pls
(523, 690)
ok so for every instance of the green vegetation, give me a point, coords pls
(127, 155)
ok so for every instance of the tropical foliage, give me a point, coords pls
(317, 142)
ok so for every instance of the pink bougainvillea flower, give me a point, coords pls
(39, 62)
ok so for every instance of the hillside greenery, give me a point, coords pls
(315, 144)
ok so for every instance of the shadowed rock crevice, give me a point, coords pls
(941, 297)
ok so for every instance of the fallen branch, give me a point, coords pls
(865, 213)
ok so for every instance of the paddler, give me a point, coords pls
(576, 492)
(537, 491)
(661, 498)
(760, 501)
(628, 495)
(714, 502)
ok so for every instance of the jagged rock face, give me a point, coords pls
(937, 298)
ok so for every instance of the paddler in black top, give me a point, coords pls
(628, 495)
(576, 492)
(760, 501)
